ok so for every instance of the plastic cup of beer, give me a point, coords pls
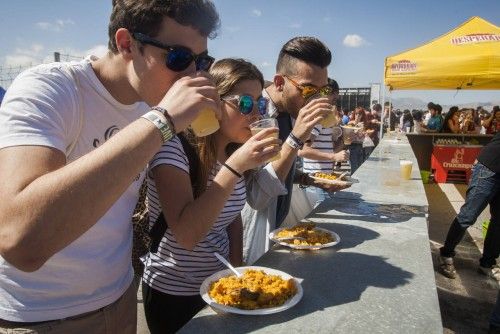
(258, 126)
(331, 119)
(205, 123)
(406, 167)
(348, 133)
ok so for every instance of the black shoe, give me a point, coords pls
(446, 267)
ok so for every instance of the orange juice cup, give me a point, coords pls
(205, 123)
(406, 167)
(264, 124)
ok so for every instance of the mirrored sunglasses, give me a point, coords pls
(308, 91)
(178, 58)
(246, 103)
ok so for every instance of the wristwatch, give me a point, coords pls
(160, 121)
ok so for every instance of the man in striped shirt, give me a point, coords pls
(318, 153)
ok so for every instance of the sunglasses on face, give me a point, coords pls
(246, 103)
(178, 57)
(308, 91)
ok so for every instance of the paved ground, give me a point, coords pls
(465, 302)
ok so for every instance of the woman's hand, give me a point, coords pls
(259, 149)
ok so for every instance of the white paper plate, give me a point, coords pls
(205, 286)
(330, 244)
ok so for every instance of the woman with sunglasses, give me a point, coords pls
(204, 217)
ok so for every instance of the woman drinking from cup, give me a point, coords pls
(201, 207)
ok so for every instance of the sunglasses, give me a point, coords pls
(246, 103)
(178, 57)
(308, 91)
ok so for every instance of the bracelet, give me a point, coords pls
(167, 116)
(297, 140)
(232, 170)
(294, 142)
(161, 123)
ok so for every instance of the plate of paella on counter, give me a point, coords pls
(305, 235)
(258, 291)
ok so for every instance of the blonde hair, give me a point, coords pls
(226, 73)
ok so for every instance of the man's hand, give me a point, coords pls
(341, 156)
(309, 116)
(188, 96)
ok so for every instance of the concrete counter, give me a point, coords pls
(378, 279)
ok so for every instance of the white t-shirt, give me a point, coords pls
(173, 269)
(55, 105)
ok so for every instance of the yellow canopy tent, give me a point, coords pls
(467, 57)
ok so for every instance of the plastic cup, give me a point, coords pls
(406, 166)
(348, 134)
(258, 126)
(331, 119)
(425, 174)
(408, 129)
(205, 123)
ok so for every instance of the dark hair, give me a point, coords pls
(146, 16)
(439, 109)
(377, 107)
(453, 110)
(307, 49)
(417, 115)
(496, 108)
(431, 105)
(334, 84)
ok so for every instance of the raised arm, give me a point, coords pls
(47, 204)
(191, 219)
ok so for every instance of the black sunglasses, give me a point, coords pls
(246, 103)
(178, 57)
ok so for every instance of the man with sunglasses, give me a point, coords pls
(74, 140)
(301, 75)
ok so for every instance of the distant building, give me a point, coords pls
(366, 97)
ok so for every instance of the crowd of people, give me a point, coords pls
(94, 131)
(455, 120)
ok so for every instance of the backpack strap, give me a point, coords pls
(160, 226)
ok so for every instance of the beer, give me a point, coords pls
(258, 126)
(205, 123)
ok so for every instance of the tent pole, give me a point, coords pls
(383, 112)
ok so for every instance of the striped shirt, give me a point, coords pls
(322, 142)
(173, 269)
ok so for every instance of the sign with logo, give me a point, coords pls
(475, 39)
(403, 67)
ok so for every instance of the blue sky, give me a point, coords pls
(360, 33)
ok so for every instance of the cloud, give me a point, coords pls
(265, 64)
(36, 55)
(354, 41)
(56, 26)
(295, 25)
(25, 57)
(327, 19)
(257, 12)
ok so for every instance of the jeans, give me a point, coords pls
(495, 315)
(356, 156)
(484, 189)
